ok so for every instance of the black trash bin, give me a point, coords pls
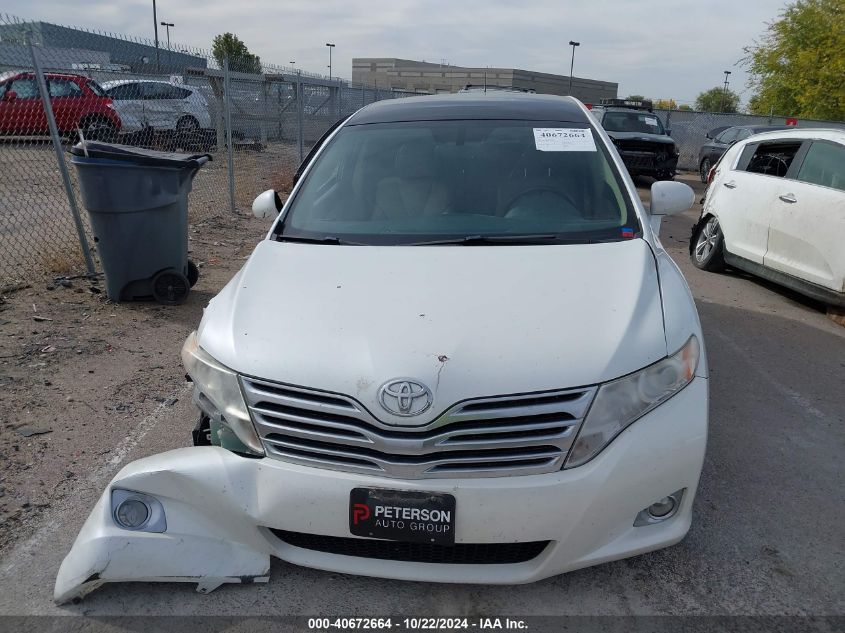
(137, 200)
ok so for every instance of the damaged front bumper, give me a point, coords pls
(226, 515)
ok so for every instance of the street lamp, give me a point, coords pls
(725, 91)
(572, 63)
(155, 30)
(167, 25)
(331, 46)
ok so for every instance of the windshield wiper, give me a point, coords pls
(473, 240)
(315, 240)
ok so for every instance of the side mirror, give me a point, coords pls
(669, 198)
(10, 95)
(267, 205)
(668, 131)
(708, 136)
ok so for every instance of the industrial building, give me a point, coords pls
(429, 78)
(66, 48)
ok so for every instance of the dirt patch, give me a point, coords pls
(79, 373)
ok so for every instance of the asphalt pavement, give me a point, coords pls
(767, 535)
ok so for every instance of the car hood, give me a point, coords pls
(641, 136)
(467, 321)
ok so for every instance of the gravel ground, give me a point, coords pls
(105, 380)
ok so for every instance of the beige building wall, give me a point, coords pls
(429, 78)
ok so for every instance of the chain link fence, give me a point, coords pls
(256, 123)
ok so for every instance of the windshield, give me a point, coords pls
(435, 181)
(632, 121)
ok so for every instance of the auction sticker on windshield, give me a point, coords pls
(563, 139)
(402, 515)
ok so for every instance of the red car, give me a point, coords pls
(79, 103)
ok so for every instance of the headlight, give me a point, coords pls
(621, 402)
(219, 387)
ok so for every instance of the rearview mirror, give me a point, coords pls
(267, 205)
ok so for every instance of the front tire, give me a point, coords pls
(704, 169)
(708, 252)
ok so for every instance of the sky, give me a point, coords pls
(657, 48)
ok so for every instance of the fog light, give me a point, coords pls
(137, 511)
(660, 510)
(132, 514)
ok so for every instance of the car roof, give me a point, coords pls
(829, 134)
(121, 82)
(763, 128)
(473, 105)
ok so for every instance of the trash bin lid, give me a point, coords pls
(137, 155)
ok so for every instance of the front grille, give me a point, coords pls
(458, 554)
(507, 435)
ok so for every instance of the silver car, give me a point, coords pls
(158, 105)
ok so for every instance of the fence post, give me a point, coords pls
(227, 106)
(60, 157)
(300, 105)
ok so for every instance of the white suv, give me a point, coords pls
(775, 208)
(460, 355)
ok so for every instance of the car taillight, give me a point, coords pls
(711, 174)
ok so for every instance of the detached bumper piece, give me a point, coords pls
(209, 541)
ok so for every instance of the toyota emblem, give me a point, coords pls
(404, 397)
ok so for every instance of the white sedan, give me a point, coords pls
(159, 105)
(775, 208)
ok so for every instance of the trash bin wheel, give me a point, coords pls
(170, 287)
(193, 273)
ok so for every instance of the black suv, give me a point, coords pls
(642, 141)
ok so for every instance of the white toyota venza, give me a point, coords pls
(460, 355)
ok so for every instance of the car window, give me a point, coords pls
(742, 134)
(633, 121)
(774, 158)
(824, 165)
(727, 136)
(181, 93)
(153, 90)
(125, 92)
(25, 88)
(403, 183)
(3, 89)
(63, 88)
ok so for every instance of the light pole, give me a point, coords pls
(167, 25)
(572, 63)
(155, 30)
(331, 46)
(725, 91)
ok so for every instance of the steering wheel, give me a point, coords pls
(535, 190)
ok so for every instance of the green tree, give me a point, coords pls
(717, 100)
(635, 98)
(240, 59)
(685, 107)
(798, 68)
(665, 104)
